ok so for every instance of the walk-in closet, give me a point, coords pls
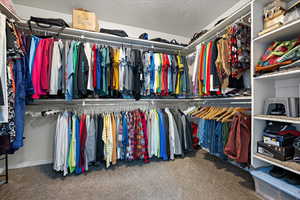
(131, 99)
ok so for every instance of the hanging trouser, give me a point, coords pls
(19, 102)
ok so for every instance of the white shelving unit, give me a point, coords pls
(285, 83)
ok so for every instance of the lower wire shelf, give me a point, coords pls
(288, 165)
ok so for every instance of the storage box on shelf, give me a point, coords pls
(287, 30)
(84, 19)
(273, 188)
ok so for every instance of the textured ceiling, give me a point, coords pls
(179, 17)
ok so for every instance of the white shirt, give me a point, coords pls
(3, 73)
(89, 56)
(171, 134)
(55, 67)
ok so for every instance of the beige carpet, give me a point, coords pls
(199, 176)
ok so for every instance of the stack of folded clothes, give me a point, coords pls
(278, 54)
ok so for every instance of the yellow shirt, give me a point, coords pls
(116, 62)
(107, 139)
(156, 67)
(114, 142)
(180, 68)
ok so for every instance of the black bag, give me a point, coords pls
(47, 22)
(144, 36)
(275, 127)
(197, 35)
(160, 40)
(116, 32)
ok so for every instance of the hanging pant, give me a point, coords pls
(20, 102)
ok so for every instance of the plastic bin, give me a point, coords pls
(271, 188)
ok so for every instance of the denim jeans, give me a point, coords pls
(219, 140)
(19, 69)
(201, 132)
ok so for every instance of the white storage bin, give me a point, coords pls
(271, 188)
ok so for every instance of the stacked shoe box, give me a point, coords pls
(278, 139)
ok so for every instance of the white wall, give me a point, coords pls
(25, 12)
(38, 145)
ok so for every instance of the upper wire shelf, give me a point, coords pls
(10, 14)
(233, 18)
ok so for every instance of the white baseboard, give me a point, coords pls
(30, 164)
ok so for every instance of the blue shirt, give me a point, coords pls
(34, 43)
(125, 135)
(162, 130)
(152, 73)
(98, 70)
(70, 72)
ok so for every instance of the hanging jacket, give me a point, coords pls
(239, 139)
(99, 141)
(137, 70)
(82, 72)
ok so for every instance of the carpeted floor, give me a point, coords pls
(200, 176)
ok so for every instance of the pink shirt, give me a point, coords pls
(36, 70)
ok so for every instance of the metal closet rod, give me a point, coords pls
(99, 41)
(109, 107)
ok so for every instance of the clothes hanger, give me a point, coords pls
(218, 114)
(228, 111)
(195, 111)
(205, 111)
(213, 113)
(235, 110)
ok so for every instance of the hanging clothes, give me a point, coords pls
(225, 139)
(222, 62)
(82, 140)
(74, 70)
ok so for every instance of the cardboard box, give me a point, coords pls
(85, 20)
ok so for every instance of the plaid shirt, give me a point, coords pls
(145, 136)
(139, 141)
